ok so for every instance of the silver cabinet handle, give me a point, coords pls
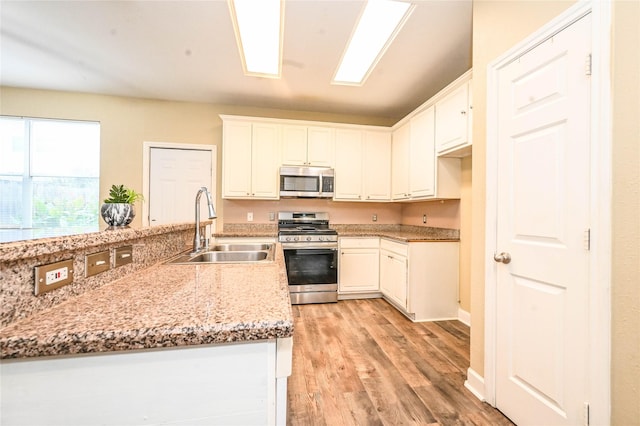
(502, 257)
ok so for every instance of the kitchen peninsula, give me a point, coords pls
(164, 343)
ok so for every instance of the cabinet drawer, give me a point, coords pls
(395, 247)
(349, 242)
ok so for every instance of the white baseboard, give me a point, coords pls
(475, 384)
(464, 317)
(364, 295)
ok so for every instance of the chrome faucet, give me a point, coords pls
(197, 239)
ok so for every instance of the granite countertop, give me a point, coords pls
(402, 233)
(162, 306)
(16, 250)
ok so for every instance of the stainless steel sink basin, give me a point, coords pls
(240, 247)
(228, 253)
(230, 256)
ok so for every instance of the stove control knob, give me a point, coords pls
(308, 238)
(320, 238)
(295, 238)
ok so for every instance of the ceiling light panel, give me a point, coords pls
(379, 23)
(258, 25)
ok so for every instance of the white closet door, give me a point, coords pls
(175, 176)
(543, 224)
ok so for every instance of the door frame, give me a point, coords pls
(146, 169)
(599, 362)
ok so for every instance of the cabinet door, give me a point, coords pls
(422, 155)
(320, 146)
(376, 177)
(393, 277)
(294, 145)
(236, 159)
(358, 270)
(400, 163)
(265, 158)
(452, 120)
(348, 165)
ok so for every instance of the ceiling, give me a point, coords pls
(186, 51)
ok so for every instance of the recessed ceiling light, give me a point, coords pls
(258, 25)
(379, 23)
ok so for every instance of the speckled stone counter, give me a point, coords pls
(161, 306)
(245, 230)
(402, 233)
(18, 260)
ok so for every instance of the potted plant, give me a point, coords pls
(118, 210)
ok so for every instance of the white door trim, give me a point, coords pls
(146, 154)
(600, 210)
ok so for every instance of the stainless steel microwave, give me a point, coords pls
(309, 182)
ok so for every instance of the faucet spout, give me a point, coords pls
(197, 238)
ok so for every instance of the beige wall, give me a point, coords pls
(466, 205)
(498, 25)
(128, 122)
(625, 360)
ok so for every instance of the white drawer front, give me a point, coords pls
(395, 247)
(357, 242)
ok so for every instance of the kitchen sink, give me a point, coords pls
(241, 247)
(227, 253)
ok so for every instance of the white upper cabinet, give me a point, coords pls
(265, 155)
(294, 145)
(320, 146)
(453, 121)
(363, 168)
(250, 159)
(307, 146)
(422, 155)
(413, 158)
(348, 165)
(376, 174)
(426, 145)
(400, 162)
(236, 159)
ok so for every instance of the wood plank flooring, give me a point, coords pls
(361, 362)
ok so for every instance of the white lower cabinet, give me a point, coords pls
(239, 383)
(421, 278)
(358, 266)
(393, 272)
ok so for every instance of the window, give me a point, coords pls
(49, 177)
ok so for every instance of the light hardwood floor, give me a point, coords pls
(361, 362)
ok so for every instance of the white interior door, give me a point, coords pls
(543, 225)
(175, 176)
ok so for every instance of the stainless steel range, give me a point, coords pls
(311, 255)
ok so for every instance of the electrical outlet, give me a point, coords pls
(424, 218)
(52, 276)
(56, 275)
(374, 217)
(272, 216)
(250, 217)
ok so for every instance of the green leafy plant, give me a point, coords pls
(122, 194)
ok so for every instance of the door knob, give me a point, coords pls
(502, 257)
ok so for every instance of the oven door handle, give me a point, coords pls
(312, 251)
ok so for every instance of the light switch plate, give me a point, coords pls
(123, 256)
(96, 263)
